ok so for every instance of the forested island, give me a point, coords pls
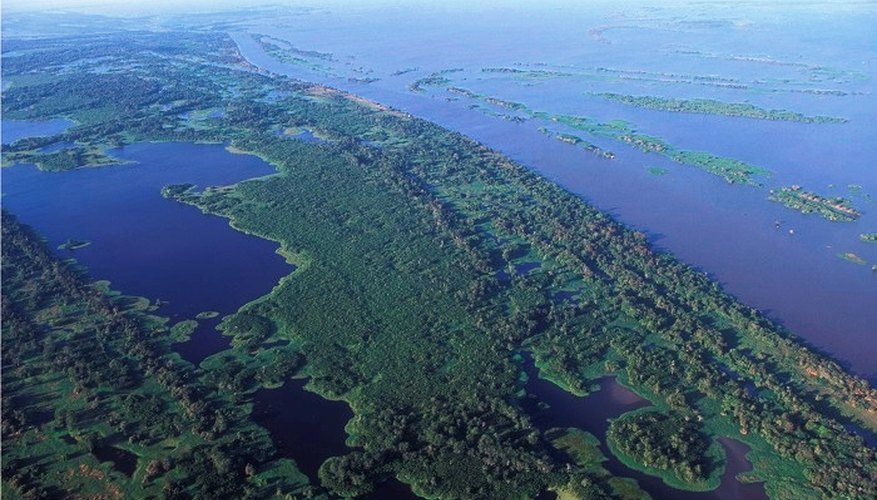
(733, 171)
(807, 202)
(868, 237)
(578, 141)
(714, 107)
(424, 268)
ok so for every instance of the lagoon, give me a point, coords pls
(552, 407)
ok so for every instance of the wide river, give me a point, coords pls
(773, 258)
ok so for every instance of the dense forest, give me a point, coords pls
(426, 263)
(89, 373)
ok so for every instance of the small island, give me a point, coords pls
(206, 315)
(868, 237)
(733, 171)
(670, 446)
(832, 208)
(851, 257)
(434, 79)
(578, 141)
(714, 107)
(72, 244)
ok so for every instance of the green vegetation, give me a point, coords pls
(608, 75)
(414, 292)
(868, 237)
(578, 141)
(435, 79)
(714, 107)
(807, 202)
(851, 257)
(527, 73)
(733, 171)
(287, 53)
(86, 370)
(671, 446)
(72, 244)
(584, 449)
(658, 171)
(206, 315)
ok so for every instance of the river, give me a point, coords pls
(729, 232)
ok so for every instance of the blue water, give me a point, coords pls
(150, 246)
(304, 136)
(729, 232)
(13, 130)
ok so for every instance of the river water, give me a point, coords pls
(781, 54)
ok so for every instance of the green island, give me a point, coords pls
(733, 171)
(714, 107)
(578, 141)
(670, 446)
(72, 244)
(312, 60)
(542, 70)
(406, 304)
(868, 237)
(807, 202)
(434, 79)
(207, 315)
(658, 171)
(533, 73)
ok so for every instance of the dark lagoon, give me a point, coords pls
(729, 232)
(552, 407)
(147, 245)
(305, 426)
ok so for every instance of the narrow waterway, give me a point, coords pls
(552, 407)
